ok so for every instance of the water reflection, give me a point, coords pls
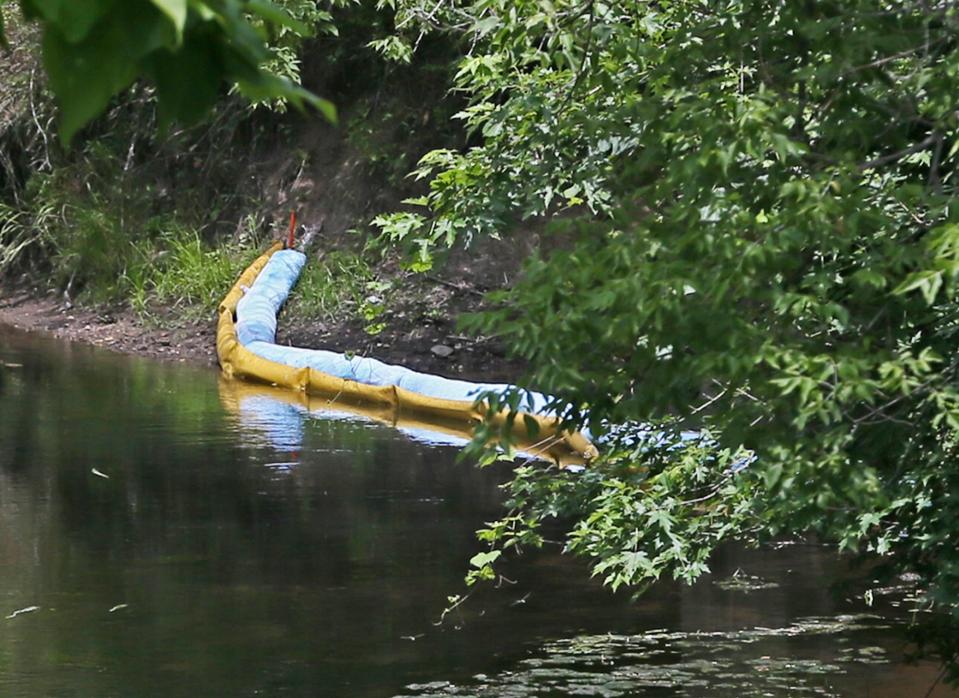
(205, 563)
(231, 576)
(277, 415)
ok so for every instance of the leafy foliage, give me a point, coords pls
(754, 235)
(108, 241)
(759, 237)
(127, 216)
(285, 42)
(187, 49)
(663, 516)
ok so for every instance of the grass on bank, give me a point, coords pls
(101, 245)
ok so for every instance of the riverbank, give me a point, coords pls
(116, 329)
(144, 233)
(417, 328)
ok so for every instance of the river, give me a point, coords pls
(164, 532)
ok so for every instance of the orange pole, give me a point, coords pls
(290, 239)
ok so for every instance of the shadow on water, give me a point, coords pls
(158, 540)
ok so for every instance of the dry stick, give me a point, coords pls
(591, 8)
(36, 121)
(709, 401)
(716, 490)
(130, 153)
(543, 445)
(66, 291)
(468, 340)
(310, 235)
(449, 609)
(457, 287)
(894, 57)
(427, 20)
(8, 166)
(935, 683)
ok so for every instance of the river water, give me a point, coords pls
(164, 532)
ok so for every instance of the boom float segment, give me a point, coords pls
(245, 346)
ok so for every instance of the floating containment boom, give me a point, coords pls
(246, 333)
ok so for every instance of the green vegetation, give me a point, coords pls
(188, 50)
(106, 242)
(131, 215)
(162, 219)
(759, 239)
(341, 283)
(193, 276)
(751, 233)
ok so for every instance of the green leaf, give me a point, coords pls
(481, 560)
(204, 11)
(188, 82)
(532, 426)
(772, 475)
(83, 76)
(176, 10)
(277, 16)
(74, 19)
(869, 278)
(927, 282)
(264, 86)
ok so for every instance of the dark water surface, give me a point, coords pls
(237, 547)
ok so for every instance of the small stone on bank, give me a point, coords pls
(442, 351)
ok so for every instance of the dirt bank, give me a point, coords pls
(420, 331)
(115, 329)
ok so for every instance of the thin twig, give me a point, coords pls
(36, 121)
(458, 287)
(934, 180)
(898, 155)
(716, 490)
(586, 51)
(709, 402)
(310, 235)
(449, 609)
(942, 675)
(896, 56)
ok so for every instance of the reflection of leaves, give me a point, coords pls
(720, 663)
(740, 581)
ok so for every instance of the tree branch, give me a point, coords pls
(898, 155)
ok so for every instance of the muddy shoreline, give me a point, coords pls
(115, 329)
(405, 341)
